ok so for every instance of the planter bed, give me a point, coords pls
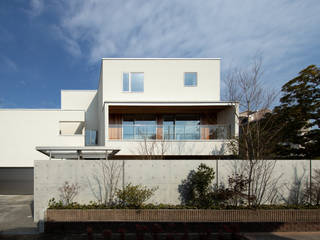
(183, 215)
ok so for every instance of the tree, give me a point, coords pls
(256, 138)
(300, 111)
(151, 149)
(197, 189)
(315, 190)
(68, 192)
(105, 180)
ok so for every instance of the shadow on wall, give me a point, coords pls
(297, 189)
(104, 180)
(220, 150)
(185, 189)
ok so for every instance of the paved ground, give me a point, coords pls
(284, 236)
(16, 219)
(16, 214)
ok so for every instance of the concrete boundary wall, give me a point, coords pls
(167, 175)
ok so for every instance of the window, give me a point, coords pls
(187, 127)
(190, 79)
(181, 127)
(133, 82)
(139, 127)
(91, 137)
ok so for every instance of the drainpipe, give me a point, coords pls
(310, 180)
(123, 165)
(217, 172)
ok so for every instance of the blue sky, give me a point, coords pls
(46, 46)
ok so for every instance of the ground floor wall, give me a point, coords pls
(167, 175)
(22, 130)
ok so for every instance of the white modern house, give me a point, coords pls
(170, 108)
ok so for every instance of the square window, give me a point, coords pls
(190, 79)
(137, 82)
(133, 82)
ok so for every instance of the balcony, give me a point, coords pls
(177, 132)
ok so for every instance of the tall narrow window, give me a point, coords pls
(125, 85)
(133, 82)
(169, 127)
(190, 79)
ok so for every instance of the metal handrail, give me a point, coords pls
(174, 132)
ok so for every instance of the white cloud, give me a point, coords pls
(36, 7)
(232, 30)
(69, 43)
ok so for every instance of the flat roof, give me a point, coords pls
(78, 153)
(40, 109)
(171, 103)
(78, 90)
(161, 58)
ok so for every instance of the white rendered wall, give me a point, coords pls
(85, 100)
(101, 112)
(230, 116)
(163, 79)
(23, 130)
(187, 147)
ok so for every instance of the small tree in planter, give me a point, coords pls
(134, 195)
(68, 192)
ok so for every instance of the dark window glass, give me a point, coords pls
(91, 137)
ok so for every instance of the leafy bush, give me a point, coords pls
(134, 195)
(197, 189)
(93, 205)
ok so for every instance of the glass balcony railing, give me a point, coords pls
(169, 132)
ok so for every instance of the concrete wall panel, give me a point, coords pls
(165, 174)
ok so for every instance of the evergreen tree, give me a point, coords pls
(300, 111)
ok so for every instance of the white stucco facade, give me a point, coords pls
(24, 129)
(163, 80)
(164, 93)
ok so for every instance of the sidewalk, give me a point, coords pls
(16, 215)
(283, 236)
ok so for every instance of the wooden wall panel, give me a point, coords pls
(206, 120)
(115, 126)
(159, 127)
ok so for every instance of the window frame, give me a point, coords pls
(184, 79)
(130, 81)
(134, 118)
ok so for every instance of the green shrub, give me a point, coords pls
(134, 195)
(93, 205)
